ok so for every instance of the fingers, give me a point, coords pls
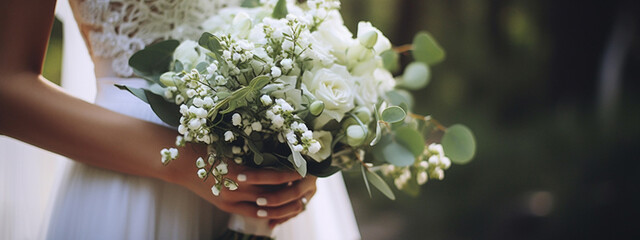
(304, 200)
(264, 176)
(250, 209)
(271, 196)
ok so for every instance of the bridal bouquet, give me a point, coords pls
(287, 85)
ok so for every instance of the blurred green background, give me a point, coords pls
(557, 154)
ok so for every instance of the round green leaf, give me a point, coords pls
(459, 144)
(416, 76)
(390, 60)
(411, 139)
(398, 96)
(393, 114)
(426, 49)
(397, 154)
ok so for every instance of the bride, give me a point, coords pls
(117, 187)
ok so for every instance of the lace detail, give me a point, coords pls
(115, 29)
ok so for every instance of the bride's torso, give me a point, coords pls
(115, 29)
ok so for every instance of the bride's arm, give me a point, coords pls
(40, 113)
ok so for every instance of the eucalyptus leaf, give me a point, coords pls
(398, 96)
(415, 76)
(202, 67)
(154, 60)
(380, 184)
(135, 91)
(177, 66)
(397, 154)
(411, 139)
(393, 114)
(459, 144)
(168, 112)
(280, 10)
(390, 60)
(426, 49)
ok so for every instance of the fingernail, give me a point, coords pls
(262, 213)
(289, 184)
(242, 177)
(261, 201)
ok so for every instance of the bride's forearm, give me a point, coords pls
(39, 113)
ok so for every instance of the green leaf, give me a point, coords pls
(243, 96)
(178, 66)
(397, 154)
(390, 60)
(398, 96)
(411, 139)
(426, 49)
(138, 92)
(364, 177)
(298, 162)
(154, 60)
(380, 184)
(250, 3)
(168, 112)
(415, 76)
(459, 144)
(202, 67)
(212, 43)
(393, 114)
(280, 10)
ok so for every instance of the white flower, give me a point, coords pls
(194, 124)
(180, 141)
(314, 147)
(382, 44)
(236, 119)
(256, 126)
(286, 64)
(333, 32)
(202, 173)
(215, 190)
(422, 177)
(298, 148)
(182, 129)
(229, 136)
(191, 93)
(200, 163)
(187, 54)
(222, 168)
(277, 121)
(335, 88)
(434, 160)
(291, 137)
(276, 72)
(179, 99)
(266, 100)
(236, 150)
(324, 139)
(173, 153)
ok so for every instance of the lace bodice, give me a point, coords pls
(115, 29)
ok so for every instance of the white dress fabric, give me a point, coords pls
(93, 203)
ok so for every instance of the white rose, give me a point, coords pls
(335, 88)
(325, 139)
(382, 44)
(187, 54)
(333, 32)
(367, 91)
(384, 79)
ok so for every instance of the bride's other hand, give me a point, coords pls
(262, 193)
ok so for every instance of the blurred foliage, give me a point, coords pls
(523, 75)
(53, 59)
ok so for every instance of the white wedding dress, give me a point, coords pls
(93, 203)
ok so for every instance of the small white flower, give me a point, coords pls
(194, 124)
(424, 164)
(422, 177)
(237, 160)
(291, 137)
(256, 126)
(236, 150)
(307, 134)
(434, 160)
(276, 72)
(182, 129)
(277, 121)
(226, 54)
(215, 190)
(222, 168)
(208, 102)
(179, 99)
(314, 147)
(266, 100)
(231, 185)
(202, 173)
(298, 148)
(236, 119)
(198, 102)
(286, 64)
(180, 141)
(229, 136)
(200, 163)
(173, 153)
(191, 93)
(445, 162)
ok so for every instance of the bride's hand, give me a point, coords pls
(262, 193)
